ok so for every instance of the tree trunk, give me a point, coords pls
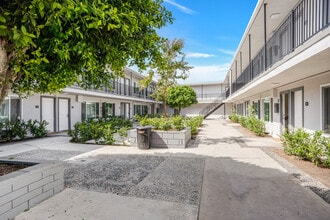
(179, 111)
(164, 102)
(5, 74)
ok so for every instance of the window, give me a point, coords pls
(266, 108)
(108, 109)
(326, 109)
(89, 110)
(10, 109)
(4, 111)
(239, 109)
(140, 109)
(137, 110)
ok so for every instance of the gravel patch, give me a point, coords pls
(108, 173)
(41, 154)
(176, 180)
(171, 179)
(305, 179)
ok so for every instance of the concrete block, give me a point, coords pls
(40, 183)
(180, 135)
(168, 135)
(173, 142)
(20, 200)
(13, 195)
(52, 185)
(39, 198)
(26, 179)
(5, 207)
(58, 176)
(55, 169)
(15, 211)
(5, 188)
(58, 188)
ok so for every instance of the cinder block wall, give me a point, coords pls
(165, 139)
(21, 190)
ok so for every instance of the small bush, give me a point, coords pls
(315, 148)
(175, 122)
(100, 130)
(19, 130)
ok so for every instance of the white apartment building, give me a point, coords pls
(210, 98)
(282, 66)
(74, 104)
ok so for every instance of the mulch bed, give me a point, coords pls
(320, 173)
(6, 168)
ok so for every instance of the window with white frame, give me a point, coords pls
(326, 109)
(89, 110)
(266, 110)
(10, 109)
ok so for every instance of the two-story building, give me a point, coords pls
(210, 96)
(282, 66)
(75, 104)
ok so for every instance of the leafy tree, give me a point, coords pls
(46, 45)
(167, 69)
(179, 97)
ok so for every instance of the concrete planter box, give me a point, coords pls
(21, 190)
(165, 139)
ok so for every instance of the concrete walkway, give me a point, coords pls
(239, 181)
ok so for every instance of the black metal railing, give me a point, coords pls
(307, 19)
(209, 96)
(207, 109)
(124, 90)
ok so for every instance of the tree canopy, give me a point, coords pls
(170, 67)
(46, 45)
(179, 97)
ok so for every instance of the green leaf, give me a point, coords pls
(2, 19)
(3, 27)
(23, 29)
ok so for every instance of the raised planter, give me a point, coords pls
(165, 139)
(22, 189)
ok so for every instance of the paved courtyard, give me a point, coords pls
(223, 174)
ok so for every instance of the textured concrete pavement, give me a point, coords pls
(239, 181)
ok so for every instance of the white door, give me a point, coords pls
(63, 114)
(47, 112)
(298, 109)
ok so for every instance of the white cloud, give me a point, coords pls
(180, 7)
(211, 73)
(198, 55)
(228, 52)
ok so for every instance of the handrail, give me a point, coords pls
(305, 20)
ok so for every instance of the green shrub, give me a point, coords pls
(165, 125)
(315, 148)
(234, 118)
(177, 122)
(37, 129)
(326, 161)
(296, 143)
(100, 130)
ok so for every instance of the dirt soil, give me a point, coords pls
(319, 173)
(6, 168)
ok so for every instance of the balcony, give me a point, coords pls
(306, 19)
(123, 90)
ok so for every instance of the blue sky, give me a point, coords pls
(211, 30)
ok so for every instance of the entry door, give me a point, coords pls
(285, 110)
(48, 112)
(125, 110)
(63, 113)
(297, 108)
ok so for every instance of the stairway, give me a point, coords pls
(212, 107)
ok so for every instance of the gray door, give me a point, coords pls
(48, 112)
